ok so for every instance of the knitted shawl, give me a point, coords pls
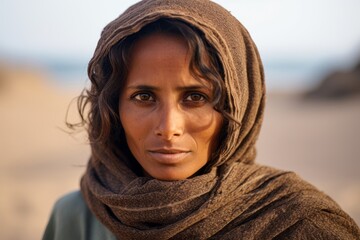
(235, 198)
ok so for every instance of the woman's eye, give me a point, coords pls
(143, 97)
(195, 97)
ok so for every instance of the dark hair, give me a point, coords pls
(107, 75)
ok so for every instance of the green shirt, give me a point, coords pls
(71, 219)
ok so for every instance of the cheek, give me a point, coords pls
(205, 128)
(132, 119)
(134, 125)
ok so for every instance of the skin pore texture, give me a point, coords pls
(170, 124)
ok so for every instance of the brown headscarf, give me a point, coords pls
(236, 198)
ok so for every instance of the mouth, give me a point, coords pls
(169, 156)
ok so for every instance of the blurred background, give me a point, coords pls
(311, 55)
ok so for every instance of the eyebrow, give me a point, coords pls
(153, 88)
(142, 87)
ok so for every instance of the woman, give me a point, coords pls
(176, 105)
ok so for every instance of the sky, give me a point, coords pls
(282, 29)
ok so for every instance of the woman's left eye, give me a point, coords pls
(195, 97)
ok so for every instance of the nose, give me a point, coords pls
(170, 122)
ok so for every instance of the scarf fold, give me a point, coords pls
(245, 200)
(236, 197)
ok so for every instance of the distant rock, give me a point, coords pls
(338, 84)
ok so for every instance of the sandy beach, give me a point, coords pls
(40, 161)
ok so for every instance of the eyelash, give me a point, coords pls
(150, 98)
(203, 97)
(136, 95)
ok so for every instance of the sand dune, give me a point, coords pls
(40, 162)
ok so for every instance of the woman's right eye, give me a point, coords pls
(143, 97)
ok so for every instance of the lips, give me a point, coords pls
(168, 156)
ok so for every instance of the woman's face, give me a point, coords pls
(170, 124)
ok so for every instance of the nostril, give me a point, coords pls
(167, 134)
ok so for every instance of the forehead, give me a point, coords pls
(159, 56)
(157, 46)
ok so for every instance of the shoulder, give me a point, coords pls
(71, 205)
(322, 224)
(308, 211)
(72, 219)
